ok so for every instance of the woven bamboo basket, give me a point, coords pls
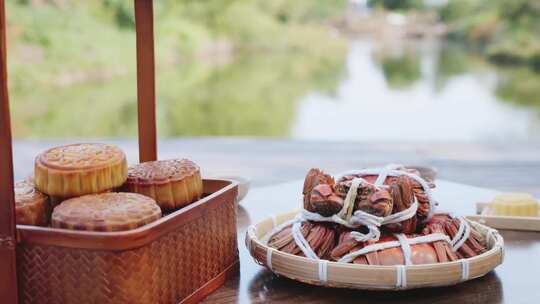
(369, 277)
(182, 257)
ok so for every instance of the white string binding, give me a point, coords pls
(274, 221)
(278, 228)
(360, 218)
(405, 247)
(402, 215)
(401, 277)
(491, 236)
(301, 242)
(391, 244)
(251, 235)
(269, 251)
(460, 231)
(464, 269)
(249, 242)
(462, 235)
(493, 239)
(383, 174)
(402, 242)
(392, 170)
(323, 271)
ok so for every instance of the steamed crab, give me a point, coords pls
(440, 238)
(423, 253)
(325, 196)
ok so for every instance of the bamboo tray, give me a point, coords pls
(527, 223)
(369, 277)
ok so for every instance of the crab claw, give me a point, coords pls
(315, 177)
(345, 245)
(320, 237)
(319, 194)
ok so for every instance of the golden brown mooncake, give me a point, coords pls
(172, 183)
(80, 169)
(106, 212)
(57, 200)
(31, 206)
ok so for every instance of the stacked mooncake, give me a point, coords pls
(80, 169)
(79, 181)
(172, 183)
(31, 205)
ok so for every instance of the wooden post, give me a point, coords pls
(146, 92)
(8, 266)
(147, 136)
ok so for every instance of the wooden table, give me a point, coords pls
(517, 280)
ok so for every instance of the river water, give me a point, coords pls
(374, 102)
(416, 91)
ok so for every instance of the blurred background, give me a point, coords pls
(429, 81)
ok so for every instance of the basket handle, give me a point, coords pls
(146, 105)
(8, 278)
(146, 87)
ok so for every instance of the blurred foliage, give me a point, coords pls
(397, 4)
(400, 70)
(509, 31)
(452, 61)
(519, 85)
(505, 32)
(455, 59)
(224, 67)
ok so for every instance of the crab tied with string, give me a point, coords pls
(364, 216)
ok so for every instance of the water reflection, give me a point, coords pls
(401, 70)
(255, 95)
(422, 92)
(519, 86)
(416, 91)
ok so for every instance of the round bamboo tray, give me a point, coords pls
(370, 277)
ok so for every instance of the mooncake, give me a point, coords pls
(172, 183)
(106, 212)
(80, 169)
(56, 200)
(31, 206)
(515, 204)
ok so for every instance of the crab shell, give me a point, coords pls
(320, 236)
(425, 253)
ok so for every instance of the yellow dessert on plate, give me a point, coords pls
(80, 169)
(514, 204)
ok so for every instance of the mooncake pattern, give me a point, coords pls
(106, 212)
(80, 169)
(172, 183)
